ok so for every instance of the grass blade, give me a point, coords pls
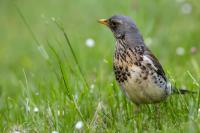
(72, 51)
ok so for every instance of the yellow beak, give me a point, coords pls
(103, 21)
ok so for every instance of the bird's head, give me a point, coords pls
(120, 25)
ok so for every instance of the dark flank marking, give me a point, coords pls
(124, 74)
(126, 68)
(123, 57)
(117, 56)
(139, 81)
(140, 59)
(143, 67)
(125, 78)
(128, 54)
(145, 77)
(121, 60)
(131, 51)
(148, 64)
(137, 63)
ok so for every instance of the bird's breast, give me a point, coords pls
(140, 83)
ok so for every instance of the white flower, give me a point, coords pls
(180, 51)
(186, 8)
(92, 86)
(148, 41)
(35, 110)
(63, 112)
(55, 132)
(79, 125)
(199, 112)
(58, 112)
(90, 42)
(16, 131)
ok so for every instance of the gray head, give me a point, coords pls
(123, 26)
(120, 25)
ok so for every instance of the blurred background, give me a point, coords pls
(170, 29)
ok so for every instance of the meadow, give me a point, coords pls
(56, 66)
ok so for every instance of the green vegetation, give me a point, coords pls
(43, 88)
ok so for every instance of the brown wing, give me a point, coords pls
(156, 63)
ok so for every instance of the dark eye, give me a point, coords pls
(114, 24)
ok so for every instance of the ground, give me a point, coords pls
(43, 88)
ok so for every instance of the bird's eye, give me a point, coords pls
(114, 24)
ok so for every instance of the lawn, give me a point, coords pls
(48, 85)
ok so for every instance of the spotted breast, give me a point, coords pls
(141, 79)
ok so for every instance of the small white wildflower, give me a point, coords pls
(35, 110)
(92, 86)
(79, 125)
(16, 131)
(105, 61)
(148, 41)
(199, 112)
(90, 42)
(186, 8)
(63, 112)
(55, 132)
(183, 87)
(43, 52)
(53, 19)
(180, 51)
(58, 112)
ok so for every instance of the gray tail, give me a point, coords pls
(182, 91)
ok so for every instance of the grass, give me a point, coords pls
(50, 80)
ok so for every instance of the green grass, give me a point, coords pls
(39, 70)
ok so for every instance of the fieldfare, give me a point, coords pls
(138, 72)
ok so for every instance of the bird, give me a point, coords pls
(138, 72)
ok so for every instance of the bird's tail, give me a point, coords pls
(182, 91)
